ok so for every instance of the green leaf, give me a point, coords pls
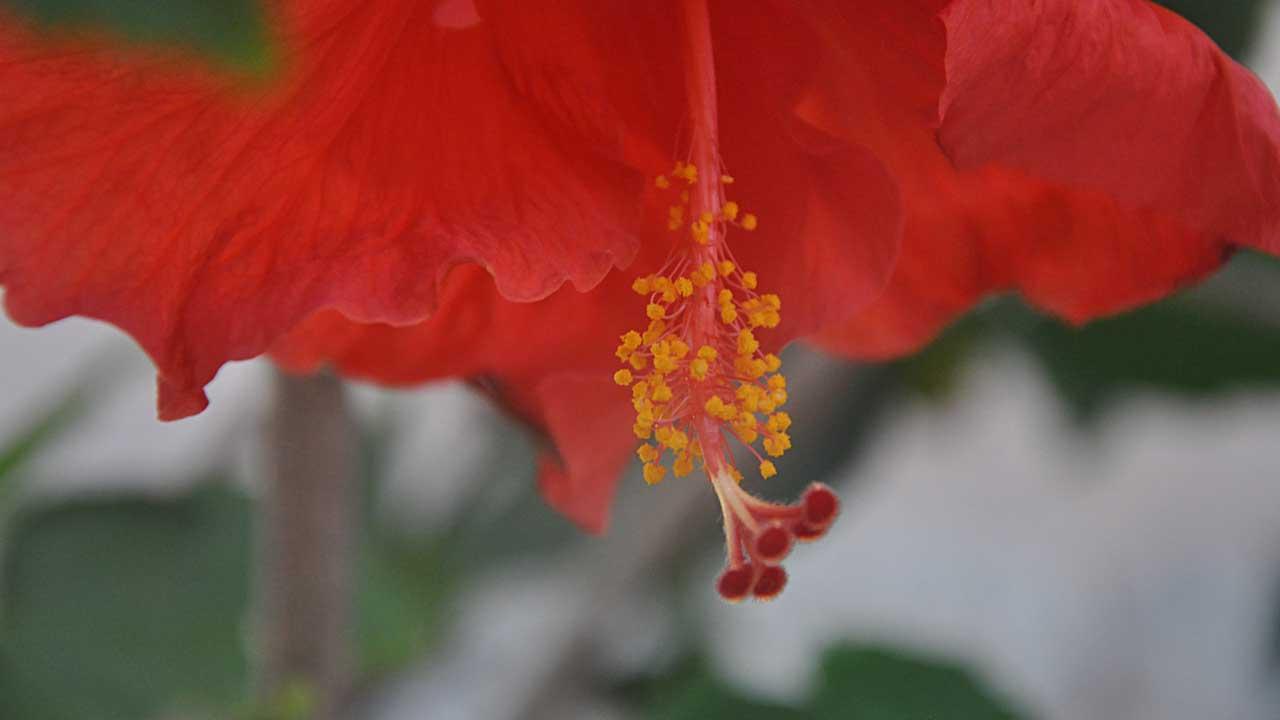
(1231, 23)
(1178, 346)
(122, 609)
(232, 32)
(692, 692)
(400, 600)
(857, 683)
(1222, 336)
(867, 683)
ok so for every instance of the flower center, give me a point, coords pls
(698, 377)
(697, 373)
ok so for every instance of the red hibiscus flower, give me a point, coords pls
(409, 197)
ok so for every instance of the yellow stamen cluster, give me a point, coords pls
(699, 357)
(700, 227)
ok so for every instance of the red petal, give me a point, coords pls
(1077, 249)
(549, 362)
(830, 225)
(474, 332)
(589, 421)
(830, 213)
(1116, 96)
(607, 72)
(206, 218)
(1077, 254)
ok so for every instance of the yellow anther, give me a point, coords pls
(777, 444)
(679, 348)
(648, 453)
(643, 285)
(639, 390)
(749, 222)
(749, 397)
(677, 440)
(777, 382)
(662, 434)
(779, 397)
(726, 179)
(747, 343)
(758, 316)
(623, 377)
(700, 231)
(749, 280)
(684, 286)
(676, 212)
(728, 315)
(698, 369)
(622, 352)
(717, 408)
(772, 300)
(662, 182)
(725, 296)
(695, 449)
(706, 218)
(749, 367)
(655, 311)
(631, 340)
(683, 465)
(778, 422)
(735, 474)
(664, 364)
(641, 431)
(661, 393)
(772, 362)
(688, 173)
(638, 361)
(745, 426)
(726, 268)
(644, 412)
(656, 328)
(706, 352)
(653, 473)
(773, 447)
(767, 469)
(730, 210)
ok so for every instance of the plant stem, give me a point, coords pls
(306, 533)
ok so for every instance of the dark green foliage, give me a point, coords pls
(119, 609)
(1231, 23)
(867, 683)
(232, 32)
(1194, 345)
(856, 683)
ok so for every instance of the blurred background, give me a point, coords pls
(1038, 522)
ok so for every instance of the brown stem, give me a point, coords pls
(307, 548)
